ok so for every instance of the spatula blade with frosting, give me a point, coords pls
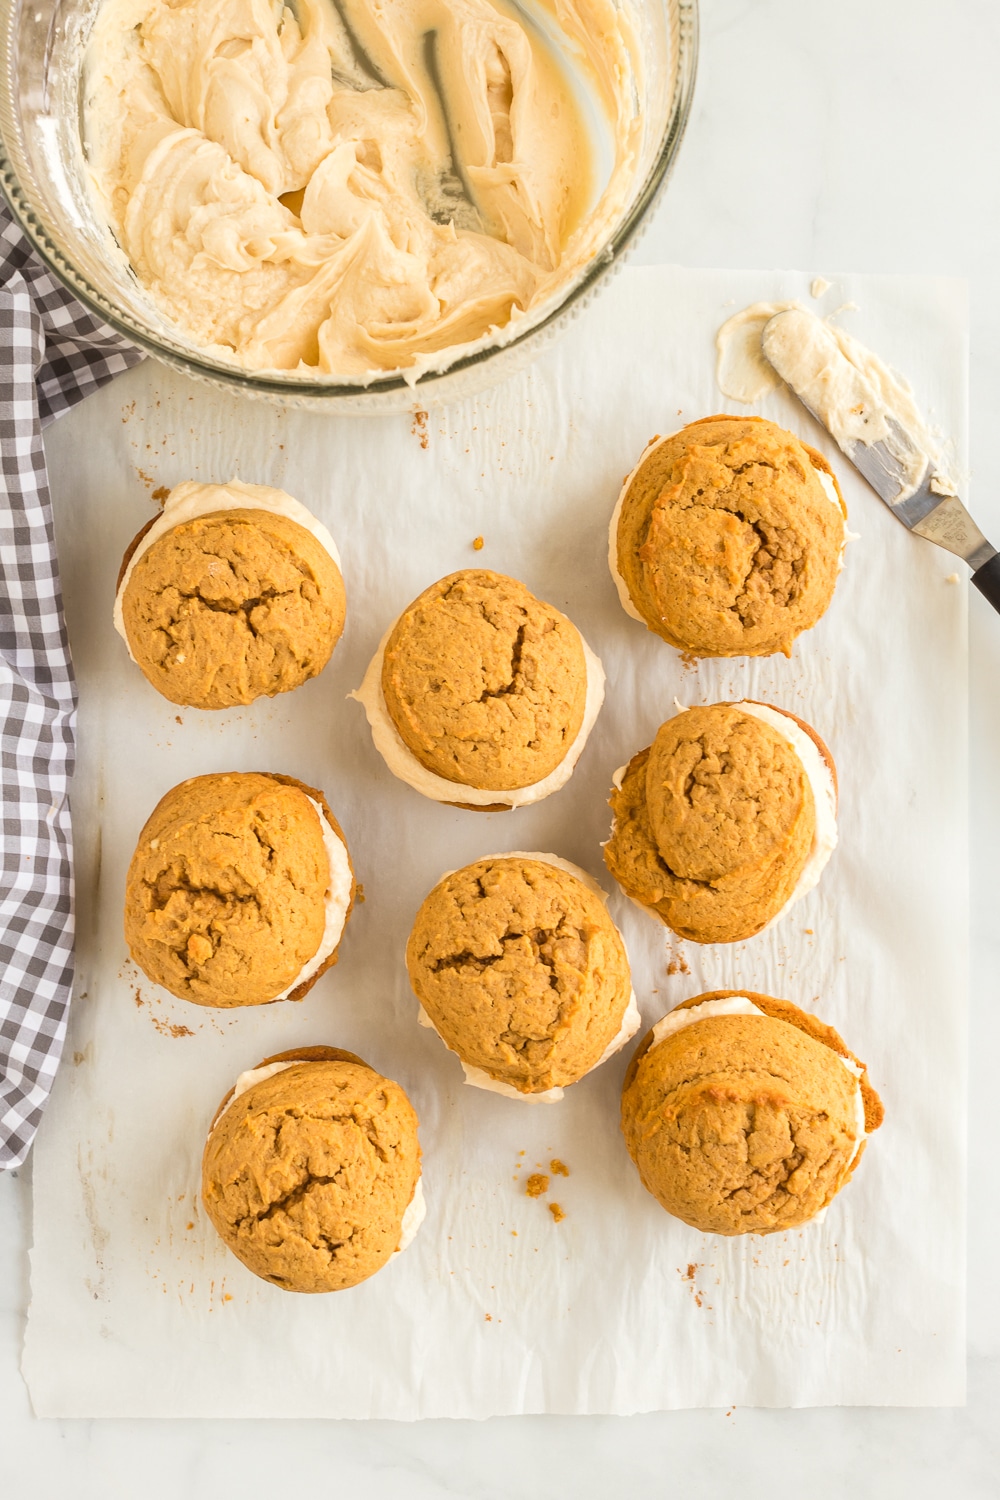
(875, 423)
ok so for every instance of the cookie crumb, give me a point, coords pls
(556, 1212)
(536, 1185)
(189, 1224)
(419, 428)
(478, 544)
(952, 578)
(558, 1168)
(160, 493)
(359, 894)
(168, 1028)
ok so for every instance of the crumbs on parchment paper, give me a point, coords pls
(676, 961)
(170, 1028)
(558, 1168)
(689, 1276)
(163, 1026)
(419, 428)
(536, 1185)
(557, 1213)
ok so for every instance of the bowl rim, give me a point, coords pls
(288, 385)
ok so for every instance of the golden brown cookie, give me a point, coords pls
(743, 1123)
(521, 971)
(727, 541)
(485, 684)
(232, 891)
(232, 606)
(308, 1174)
(714, 823)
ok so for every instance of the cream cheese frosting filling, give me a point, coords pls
(413, 1217)
(624, 597)
(338, 900)
(416, 1209)
(406, 767)
(741, 371)
(346, 189)
(740, 1005)
(824, 790)
(189, 500)
(631, 1021)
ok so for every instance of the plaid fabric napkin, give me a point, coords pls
(52, 354)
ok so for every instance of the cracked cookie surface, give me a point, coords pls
(521, 970)
(713, 824)
(232, 606)
(727, 541)
(308, 1174)
(225, 898)
(744, 1124)
(486, 684)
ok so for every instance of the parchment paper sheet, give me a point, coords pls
(136, 1308)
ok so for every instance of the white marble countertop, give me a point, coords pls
(858, 137)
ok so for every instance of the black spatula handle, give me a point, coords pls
(987, 580)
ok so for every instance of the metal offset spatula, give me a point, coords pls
(889, 465)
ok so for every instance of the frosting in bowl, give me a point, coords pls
(349, 189)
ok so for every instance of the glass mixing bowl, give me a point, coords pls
(42, 174)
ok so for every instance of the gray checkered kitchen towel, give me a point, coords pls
(52, 354)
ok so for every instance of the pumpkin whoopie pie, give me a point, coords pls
(725, 820)
(481, 695)
(727, 538)
(745, 1114)
(232, 593)
(520, 970)
(311, 1170)
(239, 890)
